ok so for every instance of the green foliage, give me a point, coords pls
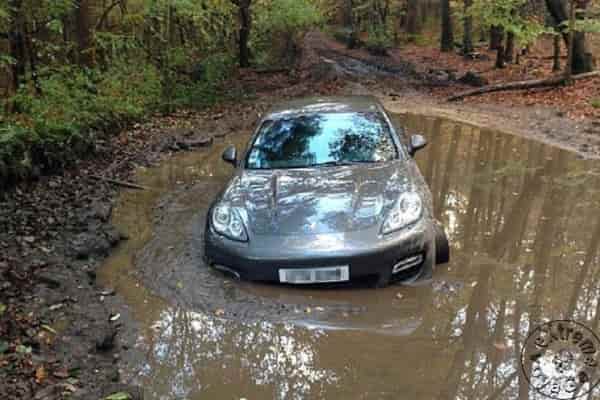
(75, 106)
(204, 90)
(507, 14)
(378, 40)
(151, 55)
(589, 25)
(286, 16)
(595, 103)
(277, 25)
(374, 17)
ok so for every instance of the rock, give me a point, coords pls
(48, 279)
(202, 142)
(325, 70)
(115, 375)
(473, 79)
(135, 392)
(46, 393)
(378, 50)
(105, 338)
(91, 274)
(87, 244)
(113, 235)
(101, 210)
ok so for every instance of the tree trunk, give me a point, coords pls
(523, 85)
(509, 51)
(582, 59)
(16, 44)
(556, 57)
(496, 36)
(500, 56)
(447, 41)
(412, 17)
(468, 30)
(32, 56)
(244, 33)
(83, 27)
(346, 14)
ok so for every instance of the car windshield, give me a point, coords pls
(320, 140)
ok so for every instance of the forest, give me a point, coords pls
(77, 69)
(113, 117)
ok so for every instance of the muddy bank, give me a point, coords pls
(61, 333)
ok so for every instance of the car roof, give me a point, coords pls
(328, 104)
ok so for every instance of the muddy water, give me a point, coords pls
(523, 220)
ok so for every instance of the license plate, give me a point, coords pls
(315, 275)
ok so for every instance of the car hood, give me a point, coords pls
(317, 200)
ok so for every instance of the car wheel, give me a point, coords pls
(442, 247)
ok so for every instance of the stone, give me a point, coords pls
(105, 338)
(473, 79)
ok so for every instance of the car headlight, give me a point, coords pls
(227, 222)
(407, 210)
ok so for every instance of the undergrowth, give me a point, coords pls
(48, 126)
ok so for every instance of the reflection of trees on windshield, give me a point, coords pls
(321, 138)
(367, 140)
(285, 142)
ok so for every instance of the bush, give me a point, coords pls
(277, 26)
(346, 36)
(201, 88)
(378, 41)
(50, 129)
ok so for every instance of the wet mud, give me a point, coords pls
(523, 221)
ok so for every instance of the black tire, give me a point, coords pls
(442, 247)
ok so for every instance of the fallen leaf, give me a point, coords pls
(23, 349)
(500, 346)
(119, 396)
(3, 346)
(399, 296)
(61, 374)
(69, 387)
(40, 374)
(49, 329)
(219, 312)
(115, 317)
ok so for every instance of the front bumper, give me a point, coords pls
(262, 262)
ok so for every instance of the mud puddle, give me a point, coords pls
(524, 223)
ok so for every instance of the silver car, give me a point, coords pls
(326, 191)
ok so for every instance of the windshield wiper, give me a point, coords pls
(339, 163)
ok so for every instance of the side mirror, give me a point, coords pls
(230, 155)
(417, 142)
